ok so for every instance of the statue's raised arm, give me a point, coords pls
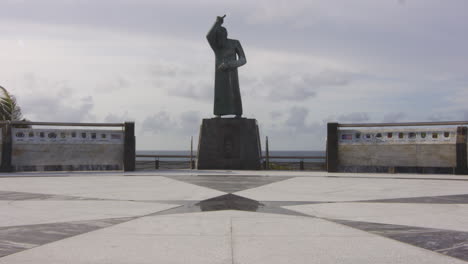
(212, 34)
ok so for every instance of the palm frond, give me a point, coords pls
(9, 109)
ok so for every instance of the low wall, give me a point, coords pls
(403, 147)
(394, 149)
(67, 149)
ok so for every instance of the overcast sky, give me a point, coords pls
(309, 62)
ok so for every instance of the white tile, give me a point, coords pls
(352, 189)
(14, 213)
(331, 250)
(164, 239)
(107, 247)
(442, 216)
(187, 224)
(297, 240)
(289, 226)
(110, 187)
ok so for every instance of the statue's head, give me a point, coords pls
(221, 37)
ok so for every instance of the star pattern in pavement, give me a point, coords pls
(453, 243)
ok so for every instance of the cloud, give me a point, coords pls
(279, 11)
(190, 122)
(54, 101)
(296, 131)
(168, 69)
(276, 115)
(56, 109)
(465, 115)
(297, 121)
(297, 117)
(354, 117)
(300, 87)
(115, 118)
(439, 117)
(335, 57)
(182, 81)
(116, 84)
(159, 122)
(200, 91)
(394, 117)
(286, 88)
(185, 123)
(329, 78)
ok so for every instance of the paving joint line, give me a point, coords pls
(232, 243)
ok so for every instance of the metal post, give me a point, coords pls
(7, 148)
(192, 165)
(332, 147)
(129, 147)
(461, 151)
(301, 165)
(267, 153)
(156, 164)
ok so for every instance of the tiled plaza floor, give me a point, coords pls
(241, 217)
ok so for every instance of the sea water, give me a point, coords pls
(285, 153)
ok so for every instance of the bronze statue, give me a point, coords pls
(229, 56)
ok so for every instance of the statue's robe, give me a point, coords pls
(227, 98)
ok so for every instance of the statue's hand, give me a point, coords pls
(220, 20)
(223, 66)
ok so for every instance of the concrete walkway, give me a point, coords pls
(183, 216)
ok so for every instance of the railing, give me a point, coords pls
(294, 163)
(30, 123)
(446, 123)
(164, 162)
(152, 162)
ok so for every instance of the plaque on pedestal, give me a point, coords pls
(229, 143)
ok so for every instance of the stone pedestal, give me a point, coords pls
(229, 143)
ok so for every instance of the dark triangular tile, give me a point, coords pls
(447, 242)
(228, 183)
(229, 202)
(233, 202)
(445, 199)
(18, 238)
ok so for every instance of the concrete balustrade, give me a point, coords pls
(417, 147)
(67, 149)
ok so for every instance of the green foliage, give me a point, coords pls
(9, 109)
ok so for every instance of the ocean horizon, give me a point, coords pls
(272, 152)
(291, 153)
